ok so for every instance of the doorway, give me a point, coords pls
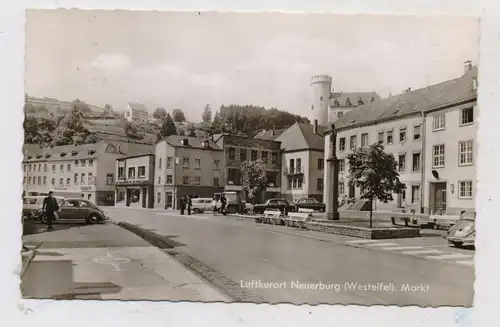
(144, 197)
(169, 200)
(352, 191)
(438, 198)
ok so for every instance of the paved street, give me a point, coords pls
(106, 262)
(421, 271)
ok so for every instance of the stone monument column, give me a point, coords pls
(332, 196)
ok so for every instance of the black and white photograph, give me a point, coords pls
(250, 157)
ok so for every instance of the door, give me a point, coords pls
(352, 191)
(169, 200)
(440, 201)
(70, 210)
(144, 197)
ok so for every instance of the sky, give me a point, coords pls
(188, 59)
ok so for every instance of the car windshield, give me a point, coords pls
(470, 215)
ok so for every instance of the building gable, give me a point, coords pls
(293, 139)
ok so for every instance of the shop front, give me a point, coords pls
(134, 194)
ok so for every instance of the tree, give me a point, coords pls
(375, 172)
(29, 108)
(206, 117)
(191, 130)
(254, 178)
(159, 113)
(167, 127)
(70, 129)
(131, 131)
(178, 116)
(108, 108)
(80, 106)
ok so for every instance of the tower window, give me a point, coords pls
(320, 98)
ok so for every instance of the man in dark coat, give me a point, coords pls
(189, 204)
(50, 206)
(182, 204)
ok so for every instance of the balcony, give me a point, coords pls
(295, 172)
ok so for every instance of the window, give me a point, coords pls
(342, 165)
(467, 116)
(298, 165)
(390, 137)
(91, 180)
(170, 161)
(253, 155)
(131, 172)
(465, 148)
(292, 166)
(25, 167)
(141, 171)
(342, 144)
(39, 179)
(216, 164)
(45, 168)
(474, 83)
(159, 164)
(321, 164)
(380, 138)
(24, 180)
(44, 180)
(52, 181)
(61, 168)
(61, 182)
(216, 182)
(438, 156)
(265, 157)
(29, 180)
(121, 172)
(416, 132)
(53, 168)
(233, 176)
(416, 162)
(169, 179)
(341, 188)
(158, 195)
(340, 114)
(465, 189)
(91, 162)
(76, 163)
(439, 122)
(75, 179)
(197, 163)
(299, 183)
(185, 180)
(243, 154)
(197, 180)
(274, 157)
(68, 168)
(352, 142)
(364, 140)
(402, 162)
(185, 163)
(319, 184)
(29, 168)
(109, 179)
(39, 167)
(415, 194)
(402, 134)
(68, 181)
(82, 162)
(231, 153)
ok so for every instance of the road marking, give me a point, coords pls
(423, 251)
(396, 248)
(113, 261)
(362, 241)
(449, 256)
(381, 244)
(466, 263)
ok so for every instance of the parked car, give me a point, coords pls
(200, 205)
(32, 206)
(310, 203)
(463, 233)
(274, 204)
(77, 210)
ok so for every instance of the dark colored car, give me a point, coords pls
(274, 204)
(463, 233)
(310, 203)
(78, 210)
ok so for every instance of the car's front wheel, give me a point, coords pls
(43, 218)
(457, 244)
(93, 219)
(196, 210)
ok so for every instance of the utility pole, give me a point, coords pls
(333, 179)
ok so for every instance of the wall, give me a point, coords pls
(314, 174)
(408, 177)
(206, 172)
(452, 172)
(295, 193)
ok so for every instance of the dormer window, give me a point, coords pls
(360, 102)
(74, 153)
(30, 157)
(348, 102)
(38, 156)
(336, 102)
(185, 142)
(205, 144)
(63, 154)
(372, 99)
(474, 83)
(48, 155)
(91, 152)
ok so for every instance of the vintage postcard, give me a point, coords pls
(250, 157)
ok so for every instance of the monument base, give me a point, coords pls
(332, 216)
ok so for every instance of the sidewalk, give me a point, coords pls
(107, 262)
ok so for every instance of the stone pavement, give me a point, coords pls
(107, 262)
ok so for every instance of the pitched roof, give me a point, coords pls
(137, 106)
(301, 136)
(194, 142)
(340, 99)
(67, 152)
(269, 134)
(412, 102)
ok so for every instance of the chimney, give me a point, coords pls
(315, 127)
(467, 66)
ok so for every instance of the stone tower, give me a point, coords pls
(321, 90)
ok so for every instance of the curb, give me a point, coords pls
(30, 258)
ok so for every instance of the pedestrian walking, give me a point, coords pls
(223, 203)
(214, 205)
(50, 207)
(189, 204)
(183, 204)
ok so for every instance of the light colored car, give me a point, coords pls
(463, 233)
(200, 205)
(32, 206)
